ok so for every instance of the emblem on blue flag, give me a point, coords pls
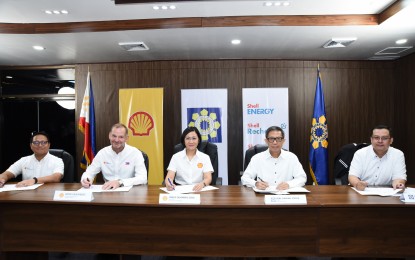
(208, 121)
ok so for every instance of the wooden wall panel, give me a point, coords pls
(404, 87)
(358, 95)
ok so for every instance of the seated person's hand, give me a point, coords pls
(110, 185)
(283, 186)
(198, 187)
(25, 183)
(261, 185)
(2, 182)
(361, 185)
(86, 183)
(398, 185)
(169, 184)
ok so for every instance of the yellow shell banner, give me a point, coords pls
(141, 110)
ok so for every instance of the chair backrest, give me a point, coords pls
(146, 161)
(210, 149)
(68, 162)
(258, 148)
(343, 160)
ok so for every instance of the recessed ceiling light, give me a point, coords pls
(9, 77)
(48, 11)
(56, 12)
(64, 12)
(268, 4)
(277, 3)
(38, 48)
(401, 41)
(164, 7)
(236, 41)
(286, 3)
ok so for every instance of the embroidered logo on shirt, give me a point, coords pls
(200, 165)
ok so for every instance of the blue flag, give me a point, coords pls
(319, 138)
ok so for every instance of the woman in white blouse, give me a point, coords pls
(189, 166)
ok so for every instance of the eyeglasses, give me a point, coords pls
(37, 143)
(190, 138)
(381, 138)
(273, 139)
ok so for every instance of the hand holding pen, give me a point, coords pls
(262, 185)
(86, 183)
(399, 185)
(169, 185)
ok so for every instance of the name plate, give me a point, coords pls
(73, 195)
(409, 197)
(179, 198)
(285, 199)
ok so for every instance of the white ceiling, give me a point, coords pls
(257, 42)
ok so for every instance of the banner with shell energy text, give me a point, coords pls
(141, 110)
(262, 108)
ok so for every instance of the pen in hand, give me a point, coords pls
(171, 184)
(265, 185)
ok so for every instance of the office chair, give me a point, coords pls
(68, 162)
(258, 148)
(210, 149)
(343, 160)
(146, 162)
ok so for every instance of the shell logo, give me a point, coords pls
(61, 195)
(199, 165)
(141, 123)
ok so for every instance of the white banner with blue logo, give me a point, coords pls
(262, 108)
(207, 109)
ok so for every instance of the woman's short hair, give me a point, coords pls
(189, 130)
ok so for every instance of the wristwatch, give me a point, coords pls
(121, 183)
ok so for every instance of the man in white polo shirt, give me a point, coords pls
(40, 167)
(120, 163)
(275, 166)
(378, 164)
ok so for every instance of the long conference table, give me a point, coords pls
(232, 221)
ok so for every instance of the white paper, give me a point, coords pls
(98, 188)
(273, 190)
(377, 191)
(12, 187)
(182, 189)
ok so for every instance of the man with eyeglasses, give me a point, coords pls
(40, 167)
(275, 166)
(120, 163)
(378, 164)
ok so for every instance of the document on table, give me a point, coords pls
(273, 190)
(98, 188)
(12, 187)
(182, 189)
(378, 191)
